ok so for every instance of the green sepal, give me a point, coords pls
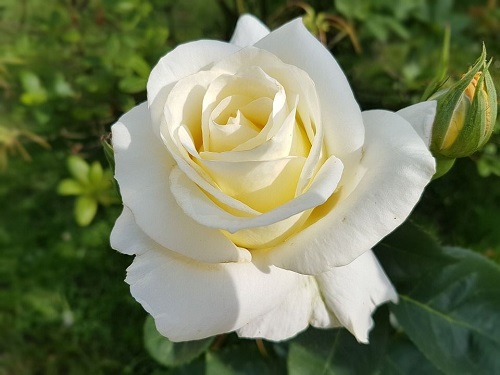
(443, 166)
(109, 153)
(476, 130)
(448, 102)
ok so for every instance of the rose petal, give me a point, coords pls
(252, 83)
(262, 185)
(184, 104)
(248, 31)
(421, 117)
(301, 307)
(341, 116)
(354, 291)
(191, 300)
(395, 168)
(142, 168)
(126, 237)
(288, 140)
(181, 62)
(196, 174)
(199, 207)
(226, 131)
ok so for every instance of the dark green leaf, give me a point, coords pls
(169, 353)
(403, 358)
(409, 253)
(336, 351)
(449, 301)
(197, 367)
(243, 357)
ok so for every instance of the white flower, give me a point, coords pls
(254, 188)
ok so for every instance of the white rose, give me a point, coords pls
(254, 188)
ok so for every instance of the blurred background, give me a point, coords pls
(70, 68)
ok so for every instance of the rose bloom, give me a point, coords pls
(254, 188)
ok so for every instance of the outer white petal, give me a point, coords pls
(181, 62)
(301, 307)
(126, 236)
(395, 168)
(190, 300)
(248, 31)
(354, 291)
(143, 165)
(421, 117)
(341, 116)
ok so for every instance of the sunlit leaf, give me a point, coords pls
(95, 174)
(34, 92)
(85, 210)
(69, 187)
(62, 87)
(78, 168)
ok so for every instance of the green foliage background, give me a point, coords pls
(69, 68)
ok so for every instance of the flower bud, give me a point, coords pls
(466, 113)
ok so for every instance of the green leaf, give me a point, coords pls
(169, 353)
(79, 169)
(336, 351)
(408, 254)
(33, 98)
(132, 84)
(85, 210)
(95, 174)
(403, 358)
(31, 83)
(139, 66)
(69, 186)
(449, 301)
(62, 87)
(354, 9)
(243, 357)
(34, 92)
(197, 367)
(442, 67)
